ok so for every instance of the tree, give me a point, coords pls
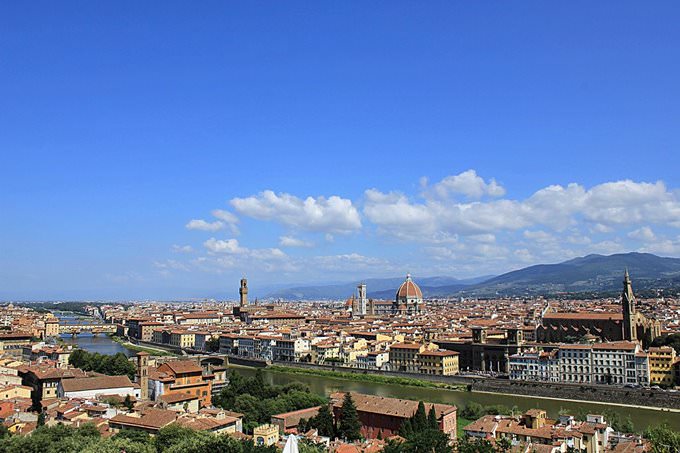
(663, 439)
(349, 427)
(171, 435)
(127, 402)
(323, 421)
(432, 421)
(419, 420)
(41, 419)
(213, 344)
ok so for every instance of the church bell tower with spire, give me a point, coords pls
(628, 304)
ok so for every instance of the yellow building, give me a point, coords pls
(266, 435)
(182, 339)
(661, 361)
(14, 391)
(404, 356)
(51, 327)
(439, 362)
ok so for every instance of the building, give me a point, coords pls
(143, 374)
(92, 387)
(289, 421)
(661, 362)
(629, 325)
(182, 339)
(382, 417)
(180, 376)
(616, 363)
(439, 362)
(534, 432)
(374, 360)
(44, 380)
(265, 435)
(12, 344)
(535, 366)
(576, 363)
(404, 356)
(148, 420)
(291, 349)
(409, 298)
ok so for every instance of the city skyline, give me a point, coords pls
(167, 153)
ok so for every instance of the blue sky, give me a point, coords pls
(338, 140)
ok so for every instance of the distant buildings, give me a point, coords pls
(629, 324)
(619, 363)
(534, 432)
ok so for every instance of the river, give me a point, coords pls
(324, 386)
(101, 343)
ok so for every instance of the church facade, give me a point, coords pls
(628, 325)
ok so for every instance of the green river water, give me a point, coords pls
(324, 385)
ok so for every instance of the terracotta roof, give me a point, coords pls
(389, 406)
(95, 383)
(184, 366)
(584, 315)
(150, 418)
(409, 289)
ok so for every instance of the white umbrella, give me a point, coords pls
(291, 445)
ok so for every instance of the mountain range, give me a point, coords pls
(591, 273)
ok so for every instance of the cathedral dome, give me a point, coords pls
(409, 290)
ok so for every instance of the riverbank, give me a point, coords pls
(378, 379)
(136, 348)
(327, 384)
(570, 400)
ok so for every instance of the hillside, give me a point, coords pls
(592, 273)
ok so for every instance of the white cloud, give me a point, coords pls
(333, 214)
(230, 246)
(644, 234)
(289, 241)
(227, 218)
(602, 208)
(467, 183)
(202, 225)
(182, 248)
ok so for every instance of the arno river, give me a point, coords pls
(324, 386)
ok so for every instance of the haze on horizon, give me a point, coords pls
(166, 152)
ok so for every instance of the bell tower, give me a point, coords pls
(243, 292)
(628, 306)
(143, 374)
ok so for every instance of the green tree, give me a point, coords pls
(127, 402)
(349, 427)
(323, 421)
(432, 420)
(213, 344)
(419, 420)
(41, 419)
(171, 435)
(663, 439)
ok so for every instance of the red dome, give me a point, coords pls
(409, 289)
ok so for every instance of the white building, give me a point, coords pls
(94, 386)
(535, 366)
(615, 363)
(575, 362)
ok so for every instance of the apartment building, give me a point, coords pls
(661, 362)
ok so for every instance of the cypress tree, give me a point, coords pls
(406, 429)
(420, 419)
(349, 427)
(324, 421)
(432, 419)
